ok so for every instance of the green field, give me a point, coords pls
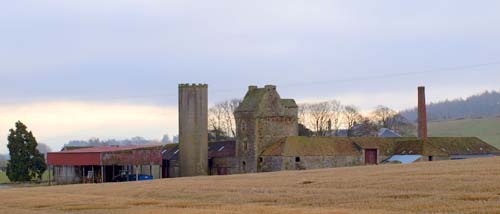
(5, 180)
(488, 129)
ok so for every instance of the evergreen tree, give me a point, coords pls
(26, 162)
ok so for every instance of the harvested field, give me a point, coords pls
(467, 186)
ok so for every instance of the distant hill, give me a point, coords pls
(487, 129)
(484, 105)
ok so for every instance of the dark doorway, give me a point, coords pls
(370, 156)
(210, 166)
(164, 171)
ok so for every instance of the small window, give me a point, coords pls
(245, 144)
(261, 159)
(430, 158)
(243, 125)
(297, 159)
(176, 151)
(221, 148)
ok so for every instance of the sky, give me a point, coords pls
(110, 69)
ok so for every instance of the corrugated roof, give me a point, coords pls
(385, 132)
(94, 156)
(404, 159)
(219, 149)
(108, 149)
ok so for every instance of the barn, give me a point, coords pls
(105, 164)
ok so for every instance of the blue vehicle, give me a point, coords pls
(132, 177)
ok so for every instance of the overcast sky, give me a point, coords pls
(110, 69)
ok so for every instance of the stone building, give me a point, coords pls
(262, 119)
(193, 129)
(267, 140)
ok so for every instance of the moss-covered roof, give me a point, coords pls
(312, 146)
(289, 103)
(325, 146)
(252, 100)
(254, 97)
(460, 146)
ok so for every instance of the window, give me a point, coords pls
(244, 166)
(245, 144)
(220, 149)
(261, 159)
(243, 126)
(297, 159)
(430, 158)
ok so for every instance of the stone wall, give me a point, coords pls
(224, 166)
(278, 163)
(262, 124)
(193, 129)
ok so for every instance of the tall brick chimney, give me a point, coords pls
(422, 114)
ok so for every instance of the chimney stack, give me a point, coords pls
(422, 114)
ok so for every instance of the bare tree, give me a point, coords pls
(215, 115)
(322, 117)
(382, 116)
(229, 122)
(351, 118)
(319, 114)
(303, 112)
(336, 110)
(221, 119)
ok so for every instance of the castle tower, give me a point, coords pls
(422, 114)
(193, 129)
(262, 119)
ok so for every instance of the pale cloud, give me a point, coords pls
(91, 53)
(55, 123)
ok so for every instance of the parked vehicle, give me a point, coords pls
(132, 177)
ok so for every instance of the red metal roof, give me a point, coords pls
(94, 156)
(102, 149)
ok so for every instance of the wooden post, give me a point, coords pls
(65, 174)
(151, 170)
(102, 173)
(136, 173)
(93, 174)
(49, 175)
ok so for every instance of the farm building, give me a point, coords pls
(221, 159)
(104, 164)
(266, 140)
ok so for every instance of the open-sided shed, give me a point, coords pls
(104, 164)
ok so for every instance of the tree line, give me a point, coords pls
(329, 118)
(483, 105)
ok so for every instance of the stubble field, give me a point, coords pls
(467, 186)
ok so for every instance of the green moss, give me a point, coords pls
(434, 146)
(251, 100)
(290, 103)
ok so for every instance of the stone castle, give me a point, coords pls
(267, 140)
